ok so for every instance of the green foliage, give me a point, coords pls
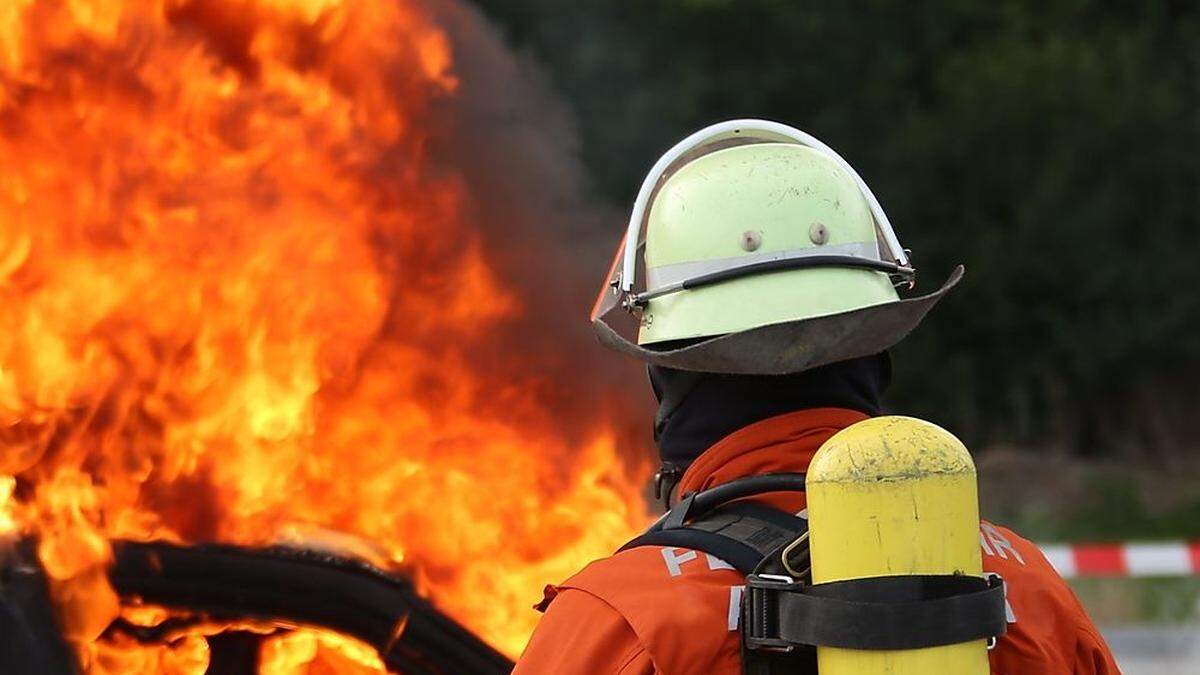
(1160, 600)
(1113, 507)
(1053, 147)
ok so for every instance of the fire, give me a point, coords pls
(241, 304)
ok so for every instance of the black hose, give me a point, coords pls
(780, 265)
(698, 504)
(305, 588)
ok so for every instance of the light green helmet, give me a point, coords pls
(764, 252)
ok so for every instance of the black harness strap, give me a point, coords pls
(742, 534)
(785, 616)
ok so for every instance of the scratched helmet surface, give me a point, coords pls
(755, 248)
(757, 204)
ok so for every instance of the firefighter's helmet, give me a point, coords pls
(764, 253)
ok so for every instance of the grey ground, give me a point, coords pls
(1156, 649)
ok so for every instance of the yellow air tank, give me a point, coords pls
(895, 496)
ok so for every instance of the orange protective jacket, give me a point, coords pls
(658, 610)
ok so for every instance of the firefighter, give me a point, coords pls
(766, 311)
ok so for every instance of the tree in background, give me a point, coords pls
(1053, 147)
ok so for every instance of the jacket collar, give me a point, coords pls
(785, 443)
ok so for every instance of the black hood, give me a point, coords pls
(698, 409)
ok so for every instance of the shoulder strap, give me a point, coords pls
(745, 535)
(739, 533)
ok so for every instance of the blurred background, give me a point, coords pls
(290, 271)
(1051, 147)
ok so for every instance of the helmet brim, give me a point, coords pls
(792, 346)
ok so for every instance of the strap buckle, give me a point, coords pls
(760, 612)
(993, 580)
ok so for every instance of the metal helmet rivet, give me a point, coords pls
(751, 240)
(818, 234)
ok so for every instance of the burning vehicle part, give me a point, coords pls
(30, 641)
(245, 293)
(254, 592)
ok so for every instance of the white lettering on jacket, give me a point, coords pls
(735, 606)
(675, 560)
(715, 563)
(994, 543)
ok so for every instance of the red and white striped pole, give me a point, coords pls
(1125, 559)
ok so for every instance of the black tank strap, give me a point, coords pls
(900, 612)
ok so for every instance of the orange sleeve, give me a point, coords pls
(1049, 631)
(1092, 654)
(581, 635)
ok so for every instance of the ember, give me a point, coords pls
(240, 306)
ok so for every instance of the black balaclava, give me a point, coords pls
(698, 409)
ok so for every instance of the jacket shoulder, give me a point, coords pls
(683, 605)
(581, 635)
(1048, 629)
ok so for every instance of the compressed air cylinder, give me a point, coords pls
(895, 496)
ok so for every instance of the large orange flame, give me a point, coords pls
(238, 304)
